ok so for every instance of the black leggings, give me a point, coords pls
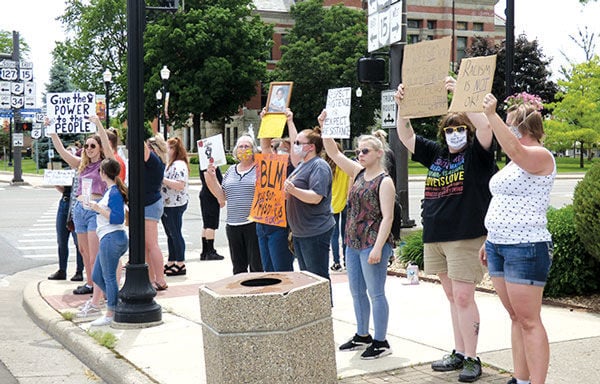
(243, 247)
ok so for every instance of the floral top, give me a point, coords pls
(364, 213)
(172, 198)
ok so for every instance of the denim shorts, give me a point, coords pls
(526, 263)
(84, 219)
(154, 211)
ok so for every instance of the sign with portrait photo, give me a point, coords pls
(280, 94)
(211, 151)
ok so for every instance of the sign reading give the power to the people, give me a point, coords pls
(68, 112)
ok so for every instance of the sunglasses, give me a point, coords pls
(364, 151)
(86, 146)
(458, 128)
(299, 143)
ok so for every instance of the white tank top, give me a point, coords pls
(517, 212)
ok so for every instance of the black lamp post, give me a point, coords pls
(107, 76)
(159, 103)
(165, 73)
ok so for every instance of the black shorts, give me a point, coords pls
(210, 212)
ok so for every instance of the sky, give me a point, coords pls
(549, 21)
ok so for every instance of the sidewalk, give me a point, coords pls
(419, 332)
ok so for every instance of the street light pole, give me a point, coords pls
(107, 76)
(159, 103)
(165, 73)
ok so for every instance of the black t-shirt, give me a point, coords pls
(457, 194)
(205, 193)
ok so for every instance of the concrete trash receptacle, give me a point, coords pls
(268, 327)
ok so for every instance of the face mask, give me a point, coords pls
(456, 140)
(515, 131)
(298, 151)
(244, 154)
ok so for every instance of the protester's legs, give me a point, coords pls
(282, 258)
(375, 277)
(252, 248)
(335, 239)
(154, 253)
(358, 290)
(164, 219)
(172, 220)
(237, 248)
(62, 233)
(313, 253)
(263, 233)
(112, 247)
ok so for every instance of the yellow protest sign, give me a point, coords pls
(475, 80)
(272, 125)
(268, 205)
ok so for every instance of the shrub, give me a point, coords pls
(411, 249)
(574, 270)
(194, 159)
(586, 203)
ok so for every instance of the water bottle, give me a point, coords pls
(412, 274)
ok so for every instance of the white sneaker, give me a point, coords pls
(88, 310)
(99, 322)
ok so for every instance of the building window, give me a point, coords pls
(478, 27)
(461, 25)
(284, 39)
(412, 23)
(429, 37)
(431, 24)
(412, 39)
(461, 48)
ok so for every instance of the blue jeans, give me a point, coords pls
(365, 278)
(84, 219)
(313, 253)
(172, 221)
(113, 245)
(526, 263)
(339, 230)
(62, 237)
(274, 251)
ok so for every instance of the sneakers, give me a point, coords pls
(58, 275)
(471, 370)
(449, 362)
(357, 342)
(512, 381)
(336, 267)
(376, 350)
(83, 290)
(78, 276)
(89, 310)
(212, 255)
(101, 321)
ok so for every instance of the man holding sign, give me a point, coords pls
(460, 166)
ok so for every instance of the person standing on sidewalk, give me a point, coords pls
(211, 214)
(339, 196)
(455, 202)
(518, 250)
(175, 196)
(369, 243)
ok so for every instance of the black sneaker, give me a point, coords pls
(512, 381)
(58, 275)
(449, 362)
(336, 267)
(471, 370)
(78, 276)
(357, 342)
(83, 290)
(213, 256)
(376, 350)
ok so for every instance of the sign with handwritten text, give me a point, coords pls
(58, 176)
(268, 205)
(475, 80)
(68, 112)
(337, 123)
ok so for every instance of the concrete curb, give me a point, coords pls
(110, 366)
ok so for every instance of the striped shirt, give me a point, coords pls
(239, 192)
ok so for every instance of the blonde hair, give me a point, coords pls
(374, 143)
(159, 146)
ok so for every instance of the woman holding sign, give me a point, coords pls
(460, 165)
(369, 243)
(95, 149)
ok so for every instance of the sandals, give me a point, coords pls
(159, 287)
(175, 270)
(167, 268)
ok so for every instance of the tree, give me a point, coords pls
(577, 103)
(6, 44)
(322, 51)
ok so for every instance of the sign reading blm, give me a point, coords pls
(68, 112)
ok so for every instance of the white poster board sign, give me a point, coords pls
(211, 151)
(337, 123)
(58, 176)
(68, 112)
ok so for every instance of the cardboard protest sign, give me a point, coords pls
(272, 125)
(58, 176)
(337, 123)
(268, 205)
(475, 80)
(424, 70)
(211, 151)
(68, 112)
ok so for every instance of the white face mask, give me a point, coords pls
(298, 150)
(515, 131)
(456, 140)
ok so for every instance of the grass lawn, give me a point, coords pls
(564, 164)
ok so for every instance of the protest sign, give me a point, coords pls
(272, 125)
(337, 123)
(475, 80)
(211, 151)
(268, 205)
(58, 176)
(68, 112)
(424, 70)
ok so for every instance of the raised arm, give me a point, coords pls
(67, 156)
(483, 131)
(405, 131)
(351, 168)
(106, 147)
